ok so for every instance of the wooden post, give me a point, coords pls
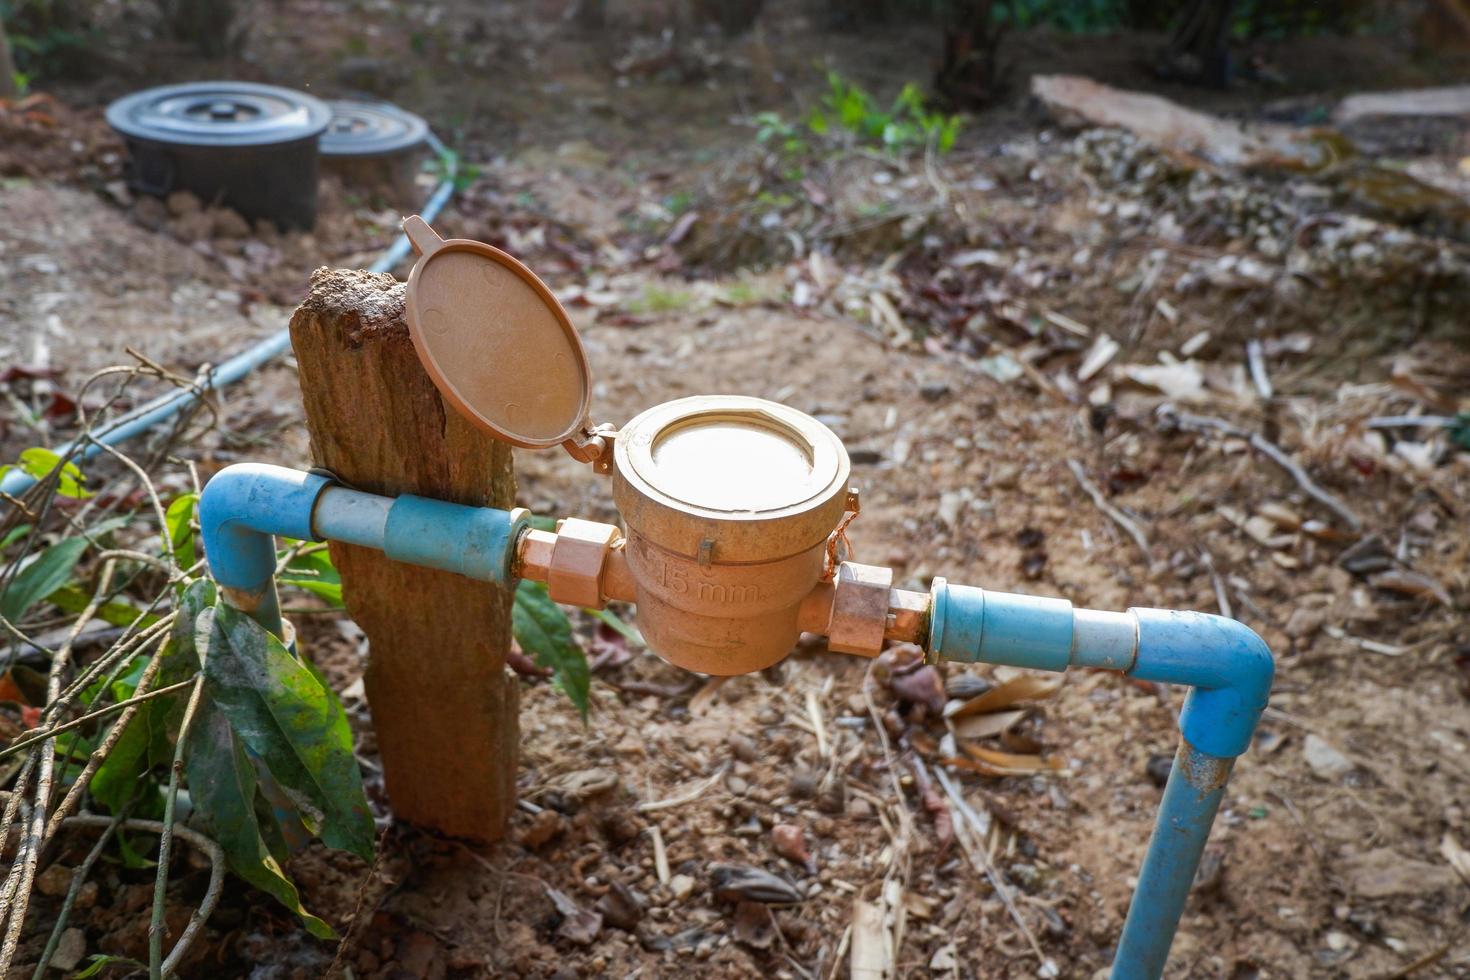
(443, 704)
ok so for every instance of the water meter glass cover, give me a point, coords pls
(732, 463)
(495, 341)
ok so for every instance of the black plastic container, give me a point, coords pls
(249, 147)
(376, 147)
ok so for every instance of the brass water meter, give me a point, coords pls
(731, 505)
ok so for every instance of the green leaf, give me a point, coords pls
(222, 786)
(613, 620)
(15, 533)
(315, 573)
(40, 578)
(98, 962)
(178, 519)
(73, 599)
(543, 631)
(292, 721)
(40, 463)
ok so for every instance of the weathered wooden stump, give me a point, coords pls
(443, 704)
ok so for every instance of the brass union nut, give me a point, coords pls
(859, 609)
(578, 557)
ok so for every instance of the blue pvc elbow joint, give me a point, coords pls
(1228, 666)
(240, 510)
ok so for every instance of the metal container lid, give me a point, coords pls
(219, 114)
(495, 341)
(371, 129)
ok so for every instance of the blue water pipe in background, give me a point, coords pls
(1228, 668)
(165, 407)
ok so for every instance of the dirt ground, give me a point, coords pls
(1328, 859)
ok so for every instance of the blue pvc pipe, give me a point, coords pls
(246, 504)
(240, 511)
(1229, 670)
(165, 407)
(1191, 797)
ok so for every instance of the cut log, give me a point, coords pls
(443, 704)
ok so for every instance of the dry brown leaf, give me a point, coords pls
(1013, 764)
(1405, 582)
(987, 726)
(1458, 856)
(1027, 687)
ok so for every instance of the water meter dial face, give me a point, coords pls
(495, 341)
(755, 478)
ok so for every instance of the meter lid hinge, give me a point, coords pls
(593, 443)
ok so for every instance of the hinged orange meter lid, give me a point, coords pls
(496, 342)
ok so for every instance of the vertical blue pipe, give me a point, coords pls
(1191, 798)
(1226, 665)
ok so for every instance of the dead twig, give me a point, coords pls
(1129, 526)
(687, 797)
(1267, 448)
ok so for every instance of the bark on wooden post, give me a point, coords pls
(443, 704)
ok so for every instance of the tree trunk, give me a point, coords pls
(443, 704)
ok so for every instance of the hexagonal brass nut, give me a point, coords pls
(859, 609)
(577, 560)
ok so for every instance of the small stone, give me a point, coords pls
(736, 785)
(181, 203)
(1325, 761)
(804, 783)
(1305, 622)
(933, 391)
(87, 897)
(1338, 941)
(69, 950)
(743, 748)
(681, 887)
(229, 224)
(1158, 768)
(544, 826)
(580, 928)
(54, 882)
(789, 841)
(621, 907)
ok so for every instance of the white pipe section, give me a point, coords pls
(1104, 639)
(351, 516)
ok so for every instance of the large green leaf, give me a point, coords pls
(40, 578)
(292, 721)
(543, 631)
(222, 786)
(147, 743)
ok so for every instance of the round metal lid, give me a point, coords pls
(495, 341)
(219, 114)
(370, 129)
